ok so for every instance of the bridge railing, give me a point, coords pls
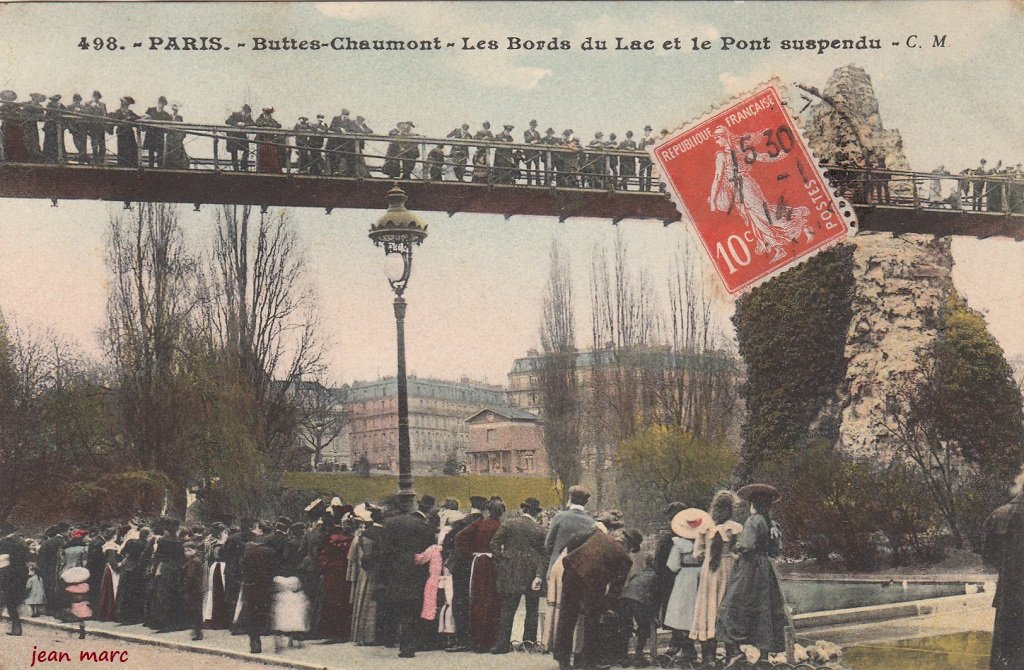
(147, 145)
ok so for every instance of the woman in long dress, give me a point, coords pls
(734, 189)
(366, 559)
(753, 611)
(177, 157)
(334, 620)
(268, 151)
(127, 144)
(715, 546)
(474, 544)
(166, 606)
(131, 587)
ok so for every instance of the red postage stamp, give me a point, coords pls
(747, 180)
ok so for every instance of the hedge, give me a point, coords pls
(354, 489)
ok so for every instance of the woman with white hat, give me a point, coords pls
(687, 526)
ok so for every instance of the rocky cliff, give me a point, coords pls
(900, 283)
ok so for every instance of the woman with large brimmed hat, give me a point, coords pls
(753, 611)
(686, 525)
(715, 546)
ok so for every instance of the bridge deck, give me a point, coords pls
(199, 187)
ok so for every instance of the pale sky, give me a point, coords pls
(478, 279)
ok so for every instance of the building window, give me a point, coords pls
(528, 461)
(491, 434)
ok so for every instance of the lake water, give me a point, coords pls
(820, 595)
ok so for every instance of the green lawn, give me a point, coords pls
(354, 489)
(960, 651)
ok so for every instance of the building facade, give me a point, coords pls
(506, 441)
(438, 410)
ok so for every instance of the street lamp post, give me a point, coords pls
(398, 230)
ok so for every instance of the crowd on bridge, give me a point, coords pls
(36, 130)
(434, 578)
(316, 147)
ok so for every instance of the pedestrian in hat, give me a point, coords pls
(595, 165)
(98, 127)
(531, 159)
(334, 618)
(176, 157)
(53, 130)
(362, 128)
(594, 575)
(460, 571)
(505, 159)
(1004, 550)
(154, 140)
(485, 132)
(234, 548)
(714, 546)
(258, 566)
(569, 175)
(645, 161)
(459, 154)
(567, 523)
(408, 149)
(666, 577)
(78, 128)
(518, 549)
(551, 157)
(401, 597)
(627, 164)
(166, 607)
(365, 570)
(268, 150)
(687, 525)
(15, 141)
(32, 114)
(474, 547)
(753, 611)
(124, 122)
(303, 130)
(14, 558)
(435, 162)
(316, 146)
(237, 140)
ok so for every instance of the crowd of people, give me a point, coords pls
(434, 578)
(317, 147)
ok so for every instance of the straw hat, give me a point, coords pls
(75, 575)
(690, 522)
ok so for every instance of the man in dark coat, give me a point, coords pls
(572, 520)
(259, 565)
(238, 140)
(460, 570)
(666, 578)
(592, 584)
(1004, 548)
(402, 596)
(154, 140)
(459, 153)
(53, 130)
(231, 554)
(47, 560)
(518, 548)
(13, 575)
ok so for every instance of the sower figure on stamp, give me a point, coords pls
(237, 142)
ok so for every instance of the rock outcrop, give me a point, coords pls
(900, 283)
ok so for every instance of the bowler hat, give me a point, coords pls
(753, 492)
(128, 100)
(8, 96)
(580, 490)
(530, 504)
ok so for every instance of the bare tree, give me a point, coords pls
(151, 299)
(322, 418)
(557, 378)
(264, 317)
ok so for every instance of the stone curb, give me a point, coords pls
(178, 646)
(875, 613)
